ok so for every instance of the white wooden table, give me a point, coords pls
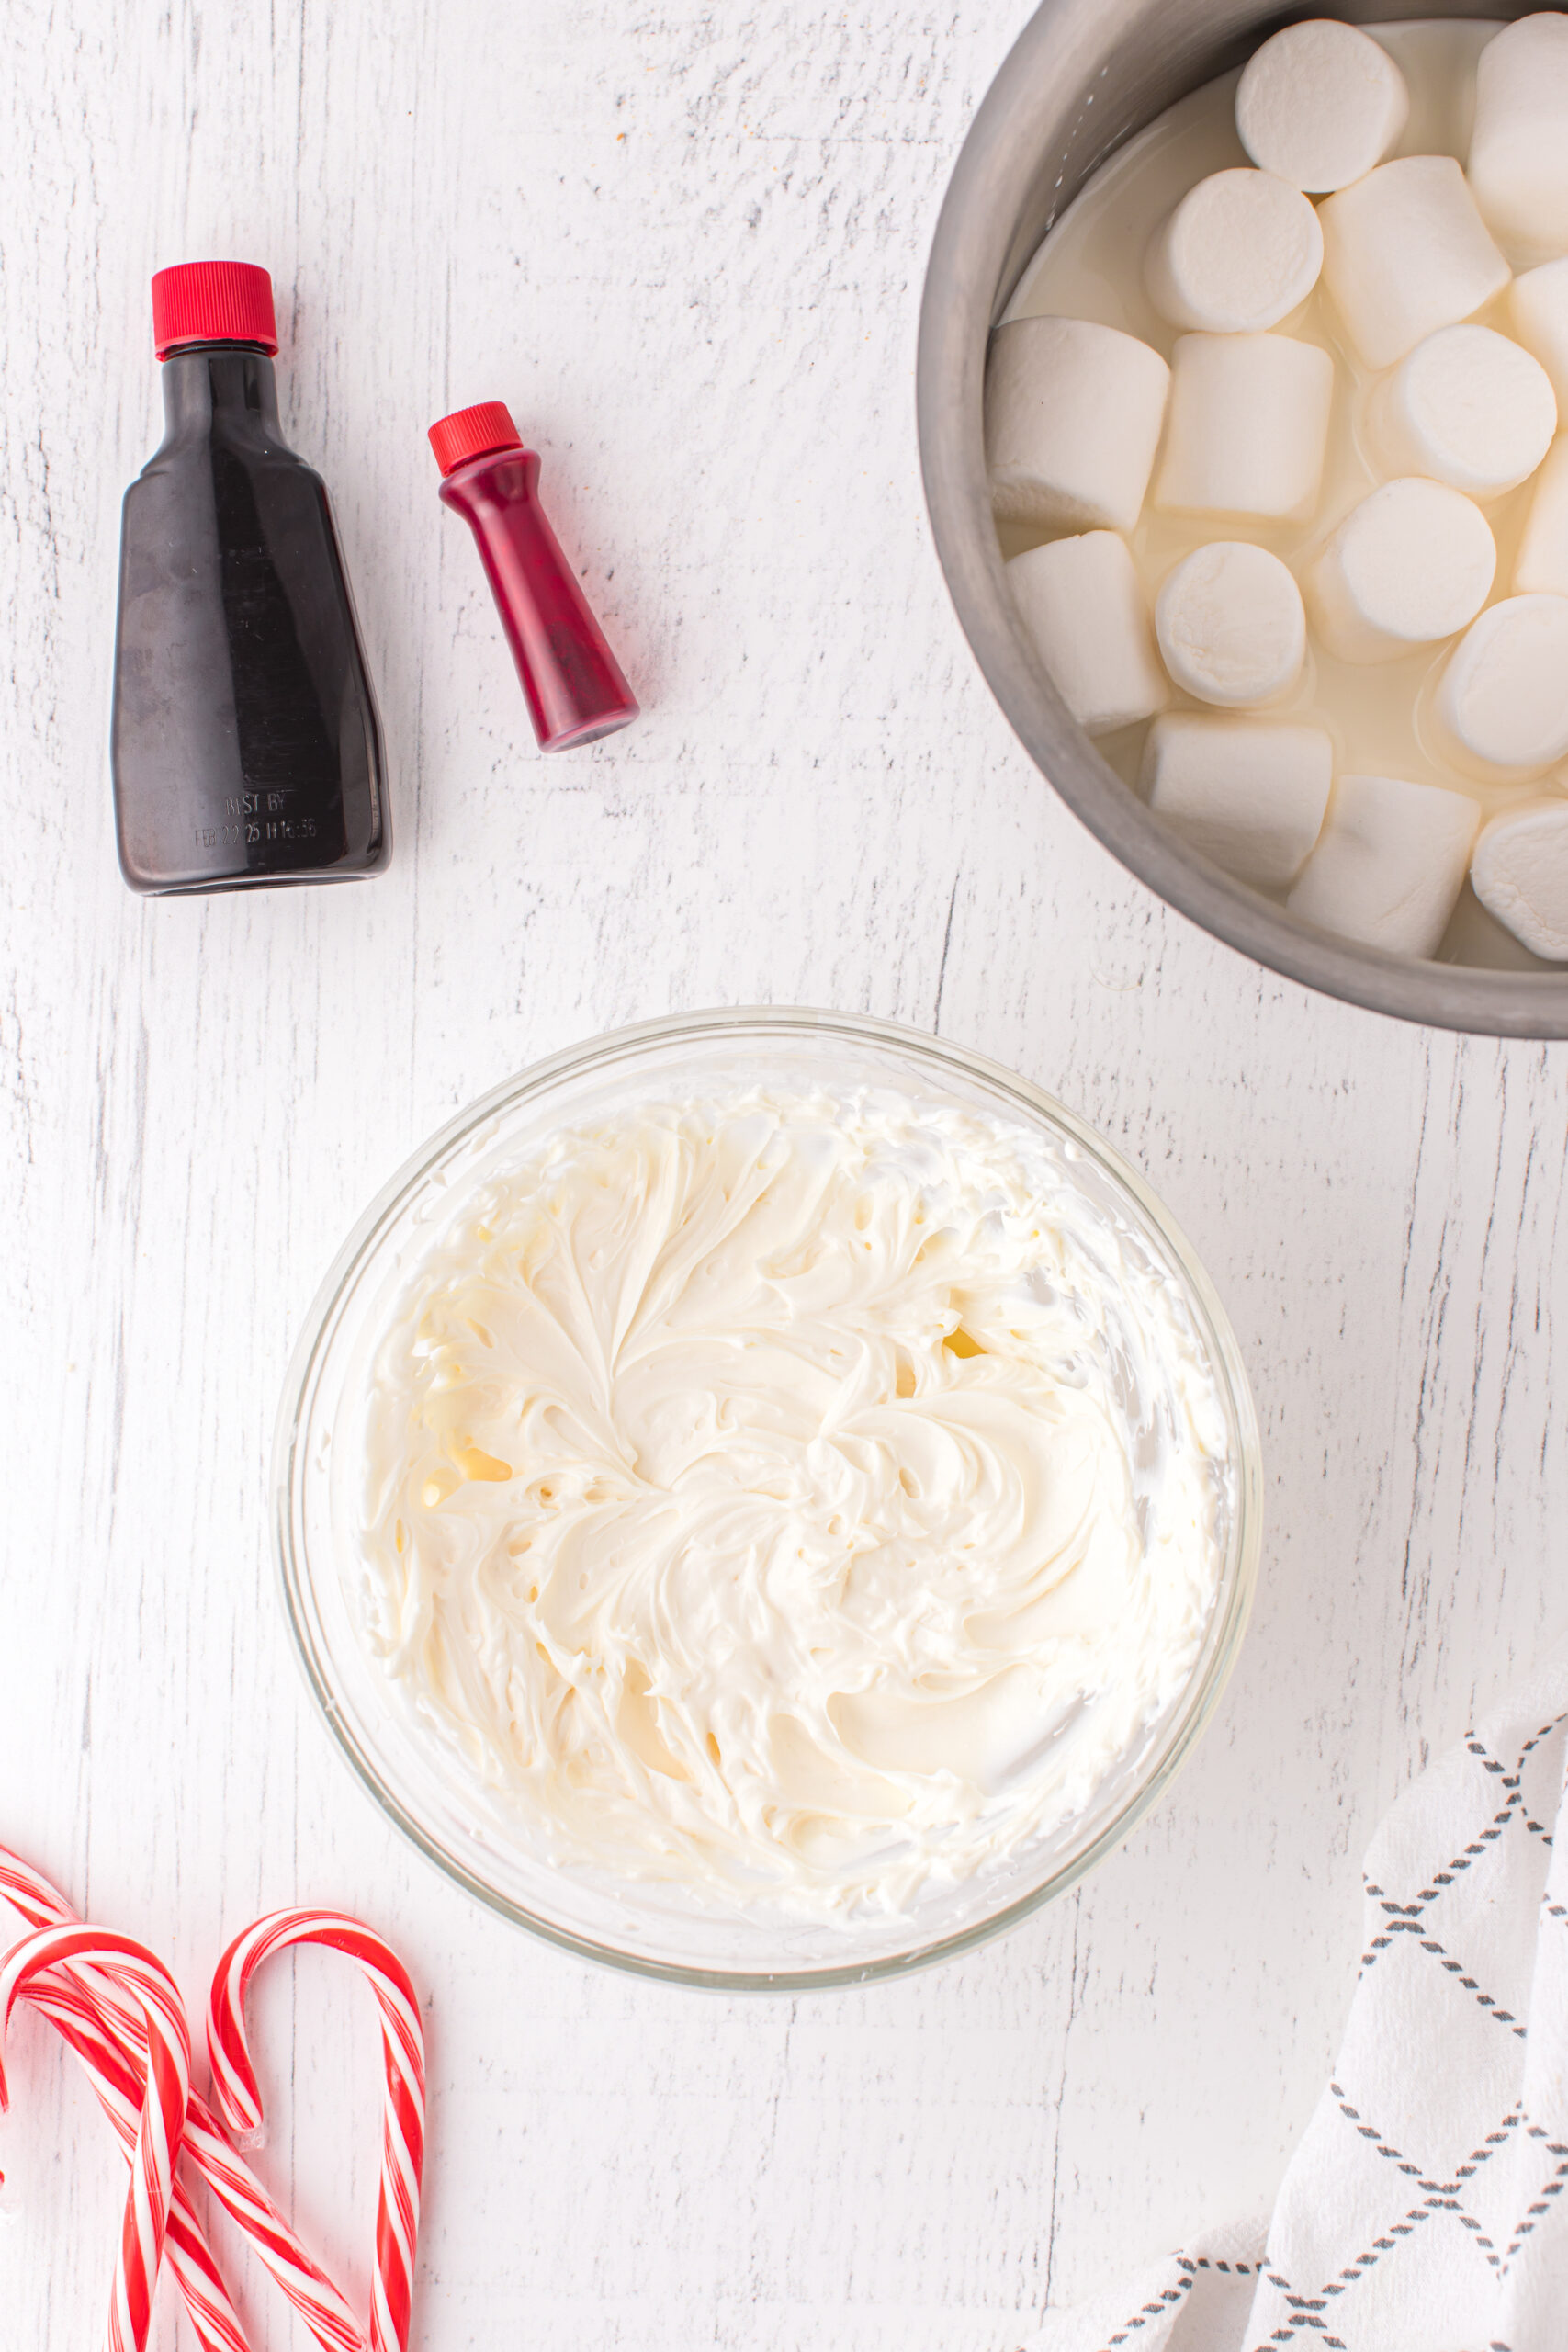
(687, 246)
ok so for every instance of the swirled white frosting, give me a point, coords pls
(796, 1496)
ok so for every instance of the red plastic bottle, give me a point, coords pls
(572, 683)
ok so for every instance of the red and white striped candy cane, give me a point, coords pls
(237, 2096)
(118, 2081)
(303, 2280)
(28, 1892)
(104, 2025)
(162, 2122)
(116, 2065)
(235, 2185)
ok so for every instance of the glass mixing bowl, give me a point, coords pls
(318, 1486)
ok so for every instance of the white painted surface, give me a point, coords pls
(687, 246)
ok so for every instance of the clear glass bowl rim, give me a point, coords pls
(779, 1023)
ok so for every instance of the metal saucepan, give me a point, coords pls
(1086, 74)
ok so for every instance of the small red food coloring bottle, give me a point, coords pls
(572, 682)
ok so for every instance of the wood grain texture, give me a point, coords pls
(686, 245)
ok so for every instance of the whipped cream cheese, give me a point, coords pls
(795, 1498)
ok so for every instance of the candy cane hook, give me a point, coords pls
(237, 2096)
(104, 2025)
(162, 2125)
(119, 2080)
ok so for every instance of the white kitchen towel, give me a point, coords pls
(1424, 2210)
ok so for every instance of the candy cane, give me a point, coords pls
(237, 2096)
(301, 2279)
(41, 1904)
(235, 2185)
(116, 2065)
(161, 2127)
(117, 2080)
(106, 2029)
(117, 2073)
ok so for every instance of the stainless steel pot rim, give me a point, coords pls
(976, 254)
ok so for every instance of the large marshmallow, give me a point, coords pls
(1231, 626)
(1247, 427)
(1519, 147)
(1502, 701)
(1411, 563)
(1320, 104)
(1084, 605)
(1405, 250)
(1538, 317)
(1466, 407)
(1390, 864)
(1541, 564)
(1249, 793)
(1073, 416)
(1519, 873)
(1240, 252)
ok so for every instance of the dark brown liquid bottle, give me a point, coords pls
(246, 748)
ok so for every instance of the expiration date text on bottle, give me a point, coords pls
(257, 818)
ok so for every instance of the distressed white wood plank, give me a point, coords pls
(687, 247)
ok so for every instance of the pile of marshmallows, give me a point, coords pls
(1077, 412)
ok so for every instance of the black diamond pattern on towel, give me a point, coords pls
(1426, 2207)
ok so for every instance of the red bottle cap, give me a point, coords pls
(212, 301)
(473, 433)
